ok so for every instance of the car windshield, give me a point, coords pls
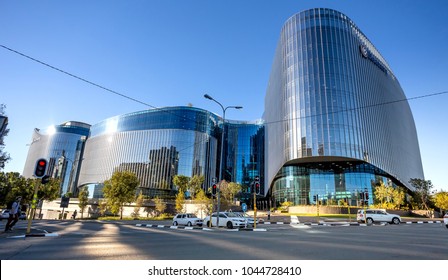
(230, 214)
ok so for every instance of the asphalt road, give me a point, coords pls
(103, 240)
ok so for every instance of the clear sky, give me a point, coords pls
(172, 52)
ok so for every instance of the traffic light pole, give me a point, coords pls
(255, 210)
(39, 172)
(221, 163)
(33, 207)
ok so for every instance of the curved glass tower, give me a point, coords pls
(336, 118)
(154, 144)
(62, 145)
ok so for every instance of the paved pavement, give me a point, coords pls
(21, 232)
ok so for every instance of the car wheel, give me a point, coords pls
(175, 223)
(229, 225)
(189, 224)
(395, 221)
(369, 221)
(446, 225)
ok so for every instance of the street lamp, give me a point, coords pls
(222, 149)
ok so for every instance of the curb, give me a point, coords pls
(196, 228)
(172, 227)
(423, 222)
(35, 235)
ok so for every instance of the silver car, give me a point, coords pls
(187, 219)
(226, 219)
(377, 215)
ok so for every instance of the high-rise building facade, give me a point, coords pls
(62, 145)
(336, 122)
(154, 144)
(336, 118)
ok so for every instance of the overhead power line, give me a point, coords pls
(169, 111)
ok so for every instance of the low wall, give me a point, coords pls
(337, 210)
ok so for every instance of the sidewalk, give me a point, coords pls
(20, 232)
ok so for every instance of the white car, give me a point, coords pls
(249, 219)
(187, 219)
(5, 215)
(377, 215)
(226, 219)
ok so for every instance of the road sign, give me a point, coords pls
(64, 202)
(244, 207)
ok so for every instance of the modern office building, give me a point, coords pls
(154, 144)
(62, 146)
(336, 118)
(336, 122)
(158, 144)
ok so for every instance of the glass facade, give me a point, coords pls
(335, 122)
(156, 145)
(63, 147)
(244, 152)
(332, 99)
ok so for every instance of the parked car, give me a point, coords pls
(5, 215)
(226, 219)
(445, 220)
(187, 219)
(377, 215)
(249, 219)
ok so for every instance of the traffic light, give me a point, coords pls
(361, 196)
(257, 188)
(41, 168)
(214, 189)
(314, 198)
(45, 179)
(366, 195)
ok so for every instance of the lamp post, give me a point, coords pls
(222, 150)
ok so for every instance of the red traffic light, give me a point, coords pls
(214, 189)
(41, 168)
(257, 188)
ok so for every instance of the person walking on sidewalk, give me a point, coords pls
(14, 213)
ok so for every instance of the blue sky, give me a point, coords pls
(169, 53)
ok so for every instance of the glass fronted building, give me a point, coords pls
(154, 144)
(243, 155)
(336, 118)
(335, 123)
(62, 145)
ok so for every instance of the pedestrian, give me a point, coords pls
(74, 214)
(14, 213)
(269, 214)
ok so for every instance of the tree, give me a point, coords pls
(4, 156)
(181, 182)
(229, 190)
(388, 196)
(138, 205)
(11, 186)
(195, 184)
(120, 189)
(160, 206)
(441, 200)
(49, 191)
(83, 198)
(422, 193)
(203, 201)
(180, 201)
